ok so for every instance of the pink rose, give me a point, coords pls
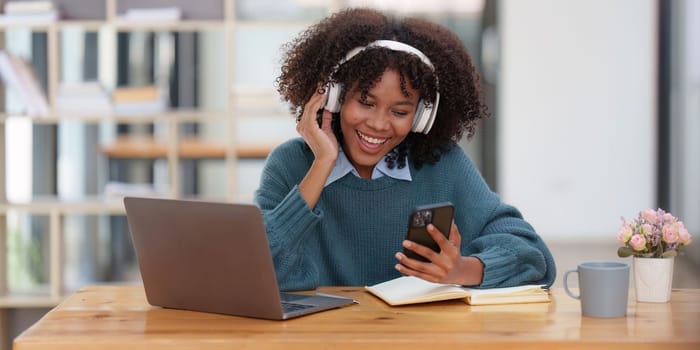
(670, 233)
(638, 242)
(683, 234)
(650, 216)
(625, 232)
(669, 218)
(647, 230)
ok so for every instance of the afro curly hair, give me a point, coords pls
(311, 62)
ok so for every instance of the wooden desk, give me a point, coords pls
(118, 317)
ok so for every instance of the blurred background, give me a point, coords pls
(595, 115)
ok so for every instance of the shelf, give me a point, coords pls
(180, 115)
(29, 301)
(122, 25)
(89, 25)
(48, 205)
(149, 149)
(39, 297)
(189, 148)
(266, 24)
(12, 302)
(172, 26)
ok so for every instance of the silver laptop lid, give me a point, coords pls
(204, 256)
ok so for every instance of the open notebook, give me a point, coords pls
(412, 290)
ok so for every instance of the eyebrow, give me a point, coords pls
(399, 103)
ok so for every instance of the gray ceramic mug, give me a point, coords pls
(603, 287)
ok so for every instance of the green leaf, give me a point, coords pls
(624, 252)
(669, 254)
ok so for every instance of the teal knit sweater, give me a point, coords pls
(351, 236)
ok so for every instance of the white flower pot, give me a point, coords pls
(652, 279)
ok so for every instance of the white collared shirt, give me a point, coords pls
(343, 166)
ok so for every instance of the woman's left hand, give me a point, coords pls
(447, 266)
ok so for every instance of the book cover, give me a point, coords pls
(18, 75)
(82, 99)
(131, 100)
(129, 94)
(412, 290)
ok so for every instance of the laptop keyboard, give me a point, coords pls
(290, 307)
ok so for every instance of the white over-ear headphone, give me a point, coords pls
(425, 115)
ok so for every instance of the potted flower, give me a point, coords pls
(653, 239)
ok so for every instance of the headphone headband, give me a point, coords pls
(424, 116)
(391, 45)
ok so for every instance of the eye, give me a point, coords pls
(400, 113)
(365, 103)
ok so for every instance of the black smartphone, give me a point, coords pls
(438, 214)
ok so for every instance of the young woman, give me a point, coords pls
(380, 103)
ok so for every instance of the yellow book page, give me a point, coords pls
(411, 290)
(509, 295)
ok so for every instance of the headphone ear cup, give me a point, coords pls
(333, 98)
(425, 116)
(418, 117)
(423, 119)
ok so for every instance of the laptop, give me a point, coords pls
(212, 257)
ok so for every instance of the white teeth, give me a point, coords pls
(371, 139)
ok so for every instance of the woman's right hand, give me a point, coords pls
(321, 140)
(323, 144)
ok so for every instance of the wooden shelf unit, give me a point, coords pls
(174, 149)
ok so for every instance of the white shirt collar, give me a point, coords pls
(343, 167)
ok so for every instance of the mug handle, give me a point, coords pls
(566, 285)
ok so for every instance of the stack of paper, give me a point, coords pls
(82, 99)
(32, 11)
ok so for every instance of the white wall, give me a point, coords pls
(685, 116)
(577, 121)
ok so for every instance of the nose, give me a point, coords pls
(379, 121)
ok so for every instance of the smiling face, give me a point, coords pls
(374, 126)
